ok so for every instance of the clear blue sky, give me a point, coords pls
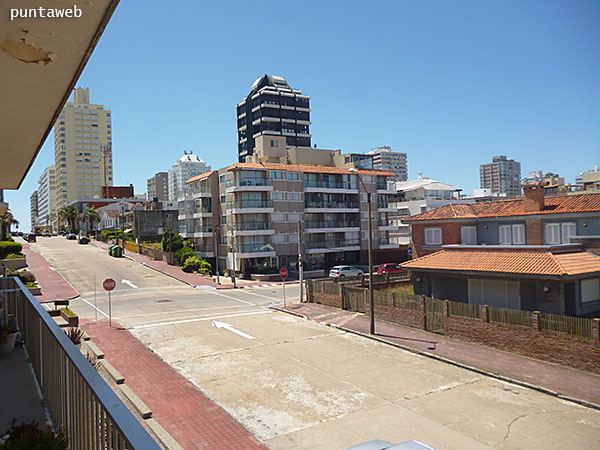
(450, 83)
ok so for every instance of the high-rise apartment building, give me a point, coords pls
(548, 178)
(33, 207)
(82, 149)
(158, 186)
(501, 176)
(386, 159)
(273, 108)
(47, 197)
(186, 167)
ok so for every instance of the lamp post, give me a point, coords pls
(370, 250)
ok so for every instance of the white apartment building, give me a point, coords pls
(186, 167)
(254, 210)
(82, 149)
(47, 198)
(386, 159)
(33, 209)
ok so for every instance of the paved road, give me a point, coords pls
(298, 384)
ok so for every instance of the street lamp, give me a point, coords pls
(370, 231)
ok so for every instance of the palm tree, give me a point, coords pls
(68, 214)
(90, 216)
(6, 221)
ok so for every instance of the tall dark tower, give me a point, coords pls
(273, 108)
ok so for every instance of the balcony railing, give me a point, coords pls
(384, 240)
(250, 204)
(328, 184)
(202, 249)
(332, 224)
(347, 205)
(252, 226)
(202, 189)
(335, 243)
(254, 248)
(249, 182)
(204, 229)
(78, 399)
(203, 209)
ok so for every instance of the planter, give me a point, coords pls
(73, 321)
(14, 264)
(54, 312)
(169, 258)
(9, 345)
(35, 290)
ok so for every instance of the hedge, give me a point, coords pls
(7, 247)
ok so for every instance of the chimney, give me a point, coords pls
(533, 197)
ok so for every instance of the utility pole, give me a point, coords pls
(233, 252)
(300, 261)
(216, 252)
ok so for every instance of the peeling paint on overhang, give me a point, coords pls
(25, 52)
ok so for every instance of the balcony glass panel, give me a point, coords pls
(250, 204)
(254, 248)
(331, 224)
(335, 243)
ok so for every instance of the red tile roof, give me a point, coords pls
(202, 176)
(537, 261)
(560, 204)
(306, 168)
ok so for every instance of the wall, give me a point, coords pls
(450, 235)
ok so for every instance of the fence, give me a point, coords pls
(572, 341)
(78, 399)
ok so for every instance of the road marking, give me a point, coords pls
(262, 295)
(196, 320)
(129, 283)
(233, 298)
(174, 312)
(97, 309)
(274, 304)
(228, 327)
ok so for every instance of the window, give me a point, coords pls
(293, 176)
(276, 174)
(277, 217)
(277, 195)
(294, 197)
(222, 179)
(274, 143)
(559, 233)
(512, 234)
(552, 233)
(590, 290)
(433, 236)
(468, 235)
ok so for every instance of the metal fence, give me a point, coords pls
(465, 310)
(575, 326)
(510, 316)
(78, 399)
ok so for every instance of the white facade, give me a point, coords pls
(386, 159)
(47, 197)
(186, 167)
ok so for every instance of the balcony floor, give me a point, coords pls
(19, 391)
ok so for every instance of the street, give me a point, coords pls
(298, 384)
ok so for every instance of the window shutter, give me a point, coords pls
(568, 229)
(518, 234)
(552, 233)
(505, 235)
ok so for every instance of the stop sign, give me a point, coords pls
(109, 284)
(283, 273)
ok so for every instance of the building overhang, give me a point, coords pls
(41, 59)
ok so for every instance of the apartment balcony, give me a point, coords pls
(386, 207)
(253, 229)
(253, 250)
(205, 231)
(386, 225)
(330, 187)
(332, 245)
(203, 212)
(319, 207)
(386, 188)
(205, 251)
(75, 395)
(331, 226)
(202, 191)
(250, 207)
(386, 242)
(249, 185)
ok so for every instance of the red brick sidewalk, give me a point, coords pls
(54, 286)
(183, 411)
(561, 380)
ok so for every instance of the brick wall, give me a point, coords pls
(410, 317)
(450, 235)
(533, 229)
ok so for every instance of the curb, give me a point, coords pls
(73, 297)
(524, 384)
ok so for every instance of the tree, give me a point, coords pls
(68, 214)
(90, 216)
(6, 221)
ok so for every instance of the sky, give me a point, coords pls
(450, 83)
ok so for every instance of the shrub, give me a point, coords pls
(30, 436)
(192, 264)
(183, 254)
(171, 242)
(205, 267)
(75, 334)
(108, 234)
(7, 247)
(25, 276)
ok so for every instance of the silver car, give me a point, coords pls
(344, 271)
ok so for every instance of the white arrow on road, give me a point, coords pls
(227, 326)
(129, 283)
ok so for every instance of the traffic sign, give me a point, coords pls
(109, 284)
(283, 273)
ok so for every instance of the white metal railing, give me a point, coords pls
(78, 399)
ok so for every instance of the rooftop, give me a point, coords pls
(556, 261)
(202, 176)
(560, 204)
(306, 168)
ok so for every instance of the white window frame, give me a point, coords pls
(505, 235)
(468, 235)
(561, 231)
(521, 228)
(564, 232)
(433, 236)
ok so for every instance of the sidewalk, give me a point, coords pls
(54, 286)
(193, 279)
(547, 377)
(192, 419)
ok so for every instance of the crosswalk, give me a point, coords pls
(260, 285)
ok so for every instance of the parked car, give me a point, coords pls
(46, 234)
(344, 271)
(389, 267)
(83, 240)
(72, 236)
(30, 237)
